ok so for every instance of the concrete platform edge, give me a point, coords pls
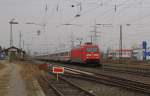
(38, 89)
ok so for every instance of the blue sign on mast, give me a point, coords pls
(144, 44)
(145, 53)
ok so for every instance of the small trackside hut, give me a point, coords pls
(15, 53)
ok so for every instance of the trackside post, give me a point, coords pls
(58, 70)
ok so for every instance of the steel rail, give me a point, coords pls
(115, 81)
(136, 69)
(53, 87)
(59, 92)
(143, 74)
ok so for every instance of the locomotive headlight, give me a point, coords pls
(96, 55)
(88, 54)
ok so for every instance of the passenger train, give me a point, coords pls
(87, 53)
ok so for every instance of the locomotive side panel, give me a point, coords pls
(86, 54)
(76, 55)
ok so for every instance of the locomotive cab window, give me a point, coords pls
(91, 49)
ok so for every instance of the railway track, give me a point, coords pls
(136, 71)
(128, 70)
(62, 87)
(109, 80)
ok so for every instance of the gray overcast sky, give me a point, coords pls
(134, 12)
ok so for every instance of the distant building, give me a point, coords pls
(15, 52)
(116, 54)
(138, 53)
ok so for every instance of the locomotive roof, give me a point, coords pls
(85, 45)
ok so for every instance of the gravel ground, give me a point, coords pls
(103, 90)
(122, 75)
(1, 64)
(4, 78)
(17, 79)
(29, 73)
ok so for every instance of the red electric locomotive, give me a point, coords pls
(87, 54)
(84, 54)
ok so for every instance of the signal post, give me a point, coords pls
(58, 70)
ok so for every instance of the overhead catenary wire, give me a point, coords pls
(90, 10)
(84, 12)
(126, 6)
(139, 18)
(111, 10)
(48, 11)
(122, 4)
(115, 12)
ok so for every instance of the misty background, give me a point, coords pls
(56, 14)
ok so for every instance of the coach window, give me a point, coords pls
(95, 49)
(89, 49)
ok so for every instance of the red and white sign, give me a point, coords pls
(58, 70)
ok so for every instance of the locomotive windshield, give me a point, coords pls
(92, 49)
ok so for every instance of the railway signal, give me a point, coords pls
(58, 70)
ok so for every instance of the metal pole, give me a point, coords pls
(91, 39)
(95, 35)
(20, 40)
(11, 37)
(120, 53)
(80, 42)
(23, 45)
(11, 34)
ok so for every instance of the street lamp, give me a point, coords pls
(11, 34)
